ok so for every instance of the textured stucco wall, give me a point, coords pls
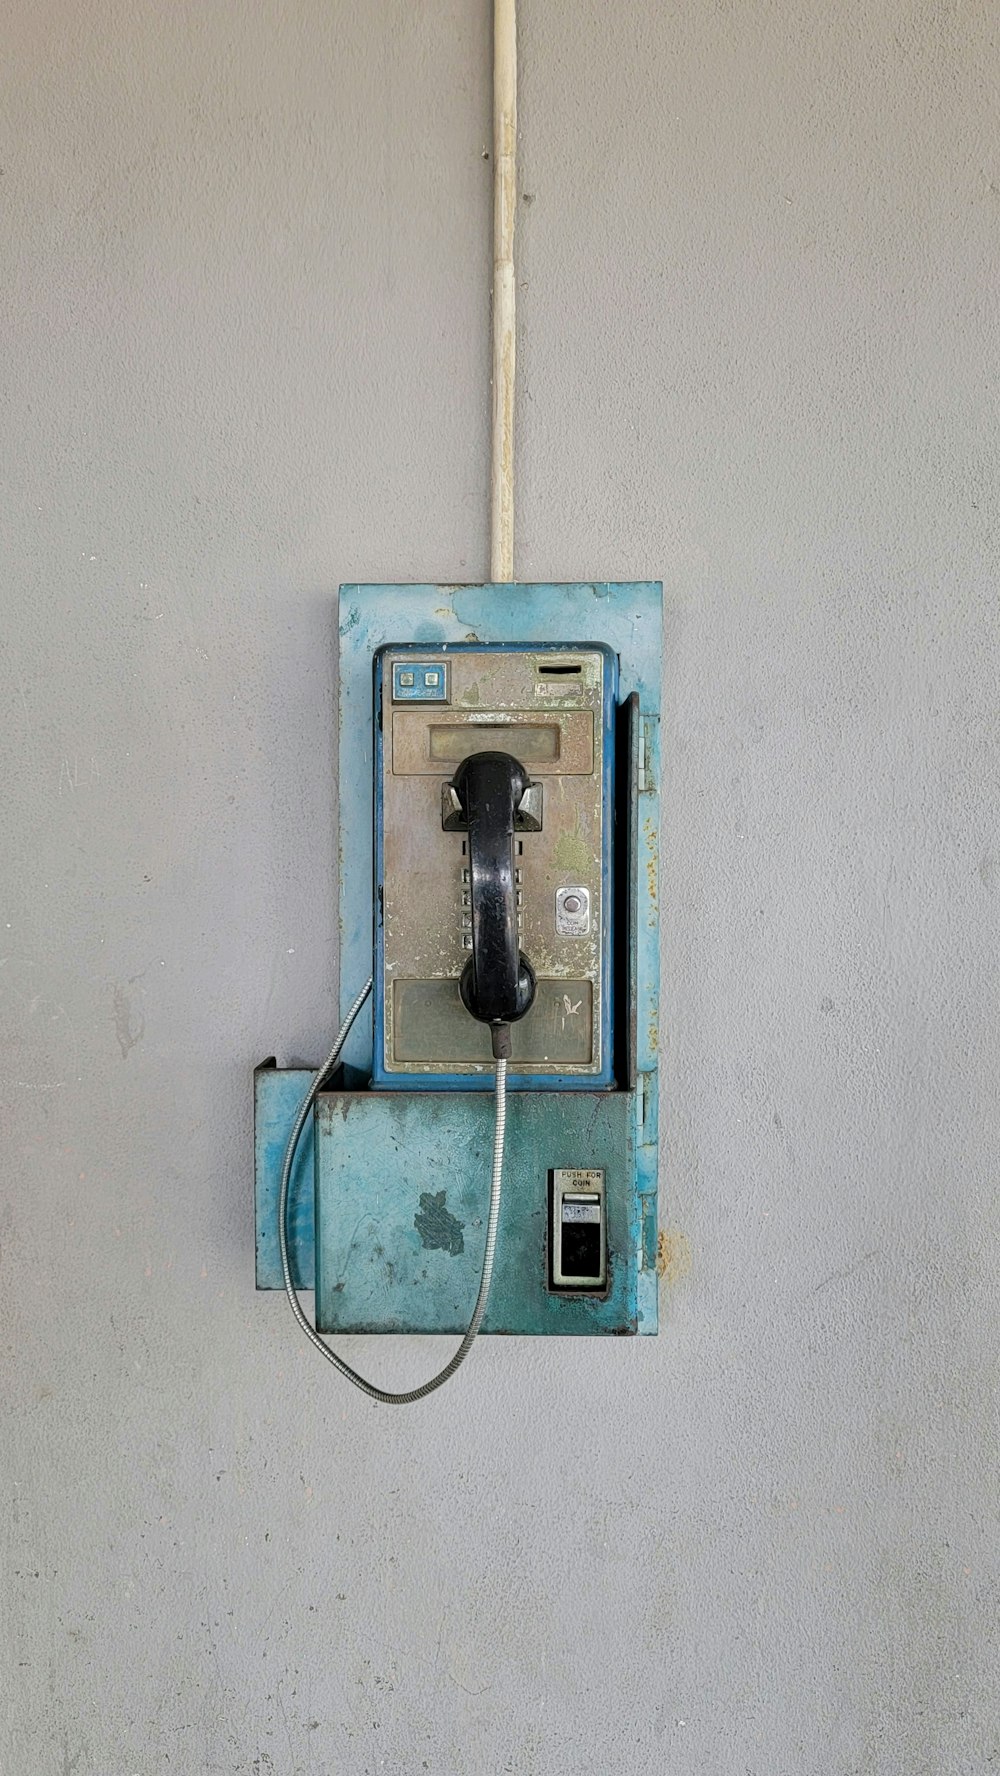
(245, 341)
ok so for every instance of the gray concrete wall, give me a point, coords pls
(245, 258)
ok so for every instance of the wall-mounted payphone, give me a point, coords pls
(499, 820)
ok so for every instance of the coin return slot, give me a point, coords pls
(577, 1236)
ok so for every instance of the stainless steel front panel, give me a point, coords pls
(547, 711)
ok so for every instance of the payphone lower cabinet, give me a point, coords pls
(403, 1252)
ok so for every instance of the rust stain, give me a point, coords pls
(652, 860)
(673, 1255)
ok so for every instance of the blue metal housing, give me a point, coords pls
(391, 1232)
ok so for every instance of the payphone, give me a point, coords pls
(499, 821)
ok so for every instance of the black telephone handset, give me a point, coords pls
(492, 797)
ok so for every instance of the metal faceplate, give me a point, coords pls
(552, 709)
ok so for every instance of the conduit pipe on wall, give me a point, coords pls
(504, 208)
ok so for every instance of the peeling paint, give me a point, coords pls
(650, 836)
(439, 1229)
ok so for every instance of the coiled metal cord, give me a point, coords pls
(496, 1182)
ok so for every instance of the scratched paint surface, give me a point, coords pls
(403, 1194)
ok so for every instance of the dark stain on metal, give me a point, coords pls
(438, 1229)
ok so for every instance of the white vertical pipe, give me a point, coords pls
(504, 207)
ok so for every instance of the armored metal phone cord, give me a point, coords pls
(496, 1179)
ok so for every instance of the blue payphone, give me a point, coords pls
(498, 912)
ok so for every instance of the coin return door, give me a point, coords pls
(578, 1257)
